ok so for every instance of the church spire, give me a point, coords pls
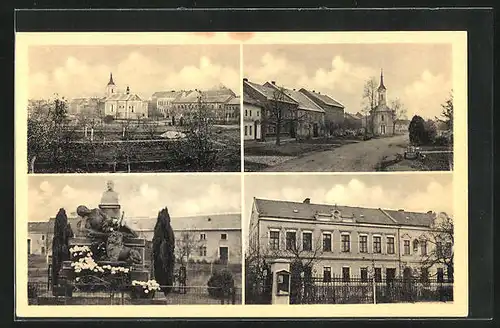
(381, 86)
(111, 79)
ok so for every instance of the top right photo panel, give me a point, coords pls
(360, 107)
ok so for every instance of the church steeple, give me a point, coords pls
(381, 90)
(111, 79)
(111, 86)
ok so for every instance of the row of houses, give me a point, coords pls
(223, 103)
(308, 114)
(350, 241)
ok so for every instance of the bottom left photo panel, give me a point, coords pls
(134, 239)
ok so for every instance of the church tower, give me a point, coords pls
(111, 87)
(381, 90)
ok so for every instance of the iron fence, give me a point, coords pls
(41, 294)
(357, 290)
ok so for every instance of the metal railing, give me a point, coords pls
(40, 294)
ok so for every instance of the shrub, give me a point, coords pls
(108, 119)
(220, 284)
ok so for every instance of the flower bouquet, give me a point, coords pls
(144, 289)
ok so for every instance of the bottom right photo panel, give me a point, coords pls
(348, 239)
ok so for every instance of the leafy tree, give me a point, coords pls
(430, 131)
(221, 284)
(447, 113)
(60, 244)
(163, 251)
(418, 135)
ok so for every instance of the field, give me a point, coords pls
(142, 152)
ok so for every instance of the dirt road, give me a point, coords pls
(363, 156)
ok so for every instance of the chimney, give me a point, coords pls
(273, 82)
(429, 212)
(307, 201)
(128, 90)
(245, 79)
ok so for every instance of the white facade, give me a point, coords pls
(251, 122)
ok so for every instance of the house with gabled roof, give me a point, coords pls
(334, 110)
(344, 241)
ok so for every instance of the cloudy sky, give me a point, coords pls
(412, 192)
(419, 74)
(78, 71)
(140, 196)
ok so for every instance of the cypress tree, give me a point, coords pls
(163, 251)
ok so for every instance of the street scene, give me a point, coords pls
(134, 240)
(340, 110)
(314, 240)
(129, 109)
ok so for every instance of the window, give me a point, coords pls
(43, 237)
(223, 236)
(246, 130)
(246, 112)
(377, 244)
(203, 236)
(327, 242)
(406, 247)
(258, 113)
(440, 275)
(424, 275)
(415, 245)
(327, 274)
(307, 241)
(203, 250)
(364, 274)
(43, 250)
(382, 115)
(378, 274)
(291, 237)
(423, 247)
(346, 274)
(363, 244)
(346, 242)
(390, 245)
(29, 246)
(274, 239)
(250, 130)
(250, 113)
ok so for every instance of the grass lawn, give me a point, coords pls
(292, 148)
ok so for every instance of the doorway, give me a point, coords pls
(223, 254)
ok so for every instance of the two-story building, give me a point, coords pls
(162, 102)
(38, 241)
(401, 126)
(232, 109)
(252, 112)
(344, 241)
(334, 110)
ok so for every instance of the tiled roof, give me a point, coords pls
(411, 218)
(234, 101)
(322, 98)
(296, 210)
(200, 222)
(247, 99)
(167, 94)
(267, 92)
(209, 96)
(305, 103)
(402, 122)
(38, 227)
(123, 97)
(351, 116)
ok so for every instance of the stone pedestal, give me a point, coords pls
(280, 269)
(112, 210)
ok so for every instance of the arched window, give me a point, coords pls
(415, 245)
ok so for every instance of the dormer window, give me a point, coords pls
(295, 211)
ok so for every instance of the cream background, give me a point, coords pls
(459, 307)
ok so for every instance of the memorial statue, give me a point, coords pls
(116, 251)
(110, 197)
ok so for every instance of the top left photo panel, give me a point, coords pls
(130, 108)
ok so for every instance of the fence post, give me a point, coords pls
(374, 290)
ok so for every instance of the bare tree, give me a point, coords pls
(441, 241)
(398, 112)
(277, 113)
(185, 245)
(369, 99)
